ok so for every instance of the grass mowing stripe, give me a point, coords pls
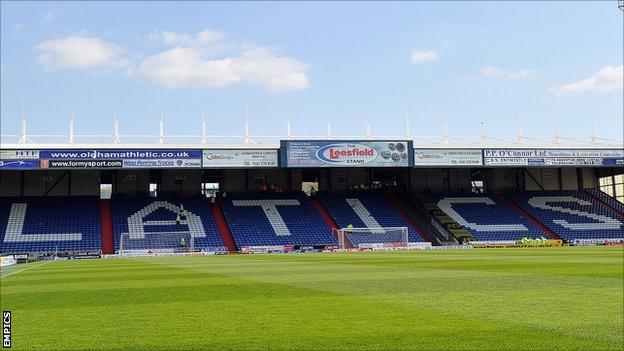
(519, 286)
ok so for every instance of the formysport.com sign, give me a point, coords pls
(554, 157)
(328, 153)
(448, 157)
(226, 158)
(80, 163)
(118, 154)
(139, 163)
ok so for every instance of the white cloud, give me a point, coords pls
(175, 39)
(207, 35)
(18, 28)
(491, 72)
(194, 61)
(189, 67)
(79, 52)
(422, 56)
(49, 16)
(527, 73)
(606, 80)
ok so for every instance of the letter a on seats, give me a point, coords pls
(136, 225)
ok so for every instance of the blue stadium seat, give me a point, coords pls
(607, 199)
(487, 218)
(284, 219)
(48, 224)
(157, 215)
(366, 211)
(572, 214)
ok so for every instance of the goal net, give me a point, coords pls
(381, 237)
(142, 244)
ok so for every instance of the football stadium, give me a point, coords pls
(335, 241)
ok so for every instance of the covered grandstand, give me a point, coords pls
(72, 197)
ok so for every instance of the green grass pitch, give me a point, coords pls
(542, 298)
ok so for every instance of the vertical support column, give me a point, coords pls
(579, 178)
(115, 126)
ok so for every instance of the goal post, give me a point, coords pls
(379, 237)
(142, 244)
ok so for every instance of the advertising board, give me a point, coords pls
(162, 163)
(230, 158)
(119, 154)
(19, 154)
(448, 157)
(330, 153)
(7, 261)
(554, 157)
(19, 164)
(120, 158)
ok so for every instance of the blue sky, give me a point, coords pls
(347, 63)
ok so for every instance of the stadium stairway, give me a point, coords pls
(106, 218)
(323, 212)
(530, 218)
(418, 214)
(446, 227)
(222, 226)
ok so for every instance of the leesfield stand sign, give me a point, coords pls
(346, 153)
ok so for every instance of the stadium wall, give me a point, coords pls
(341, 179)
(10, 183)
(187, 182)
(85, 183)
(569, 179)
(500, 180)
(460, 180)
(233, 180)
(248, 181)
(439, 180)
(131, 182)
(180, 182)
(560, 179)
(52, 183)
(589, 178)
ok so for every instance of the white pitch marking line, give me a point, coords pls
(25, 269)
